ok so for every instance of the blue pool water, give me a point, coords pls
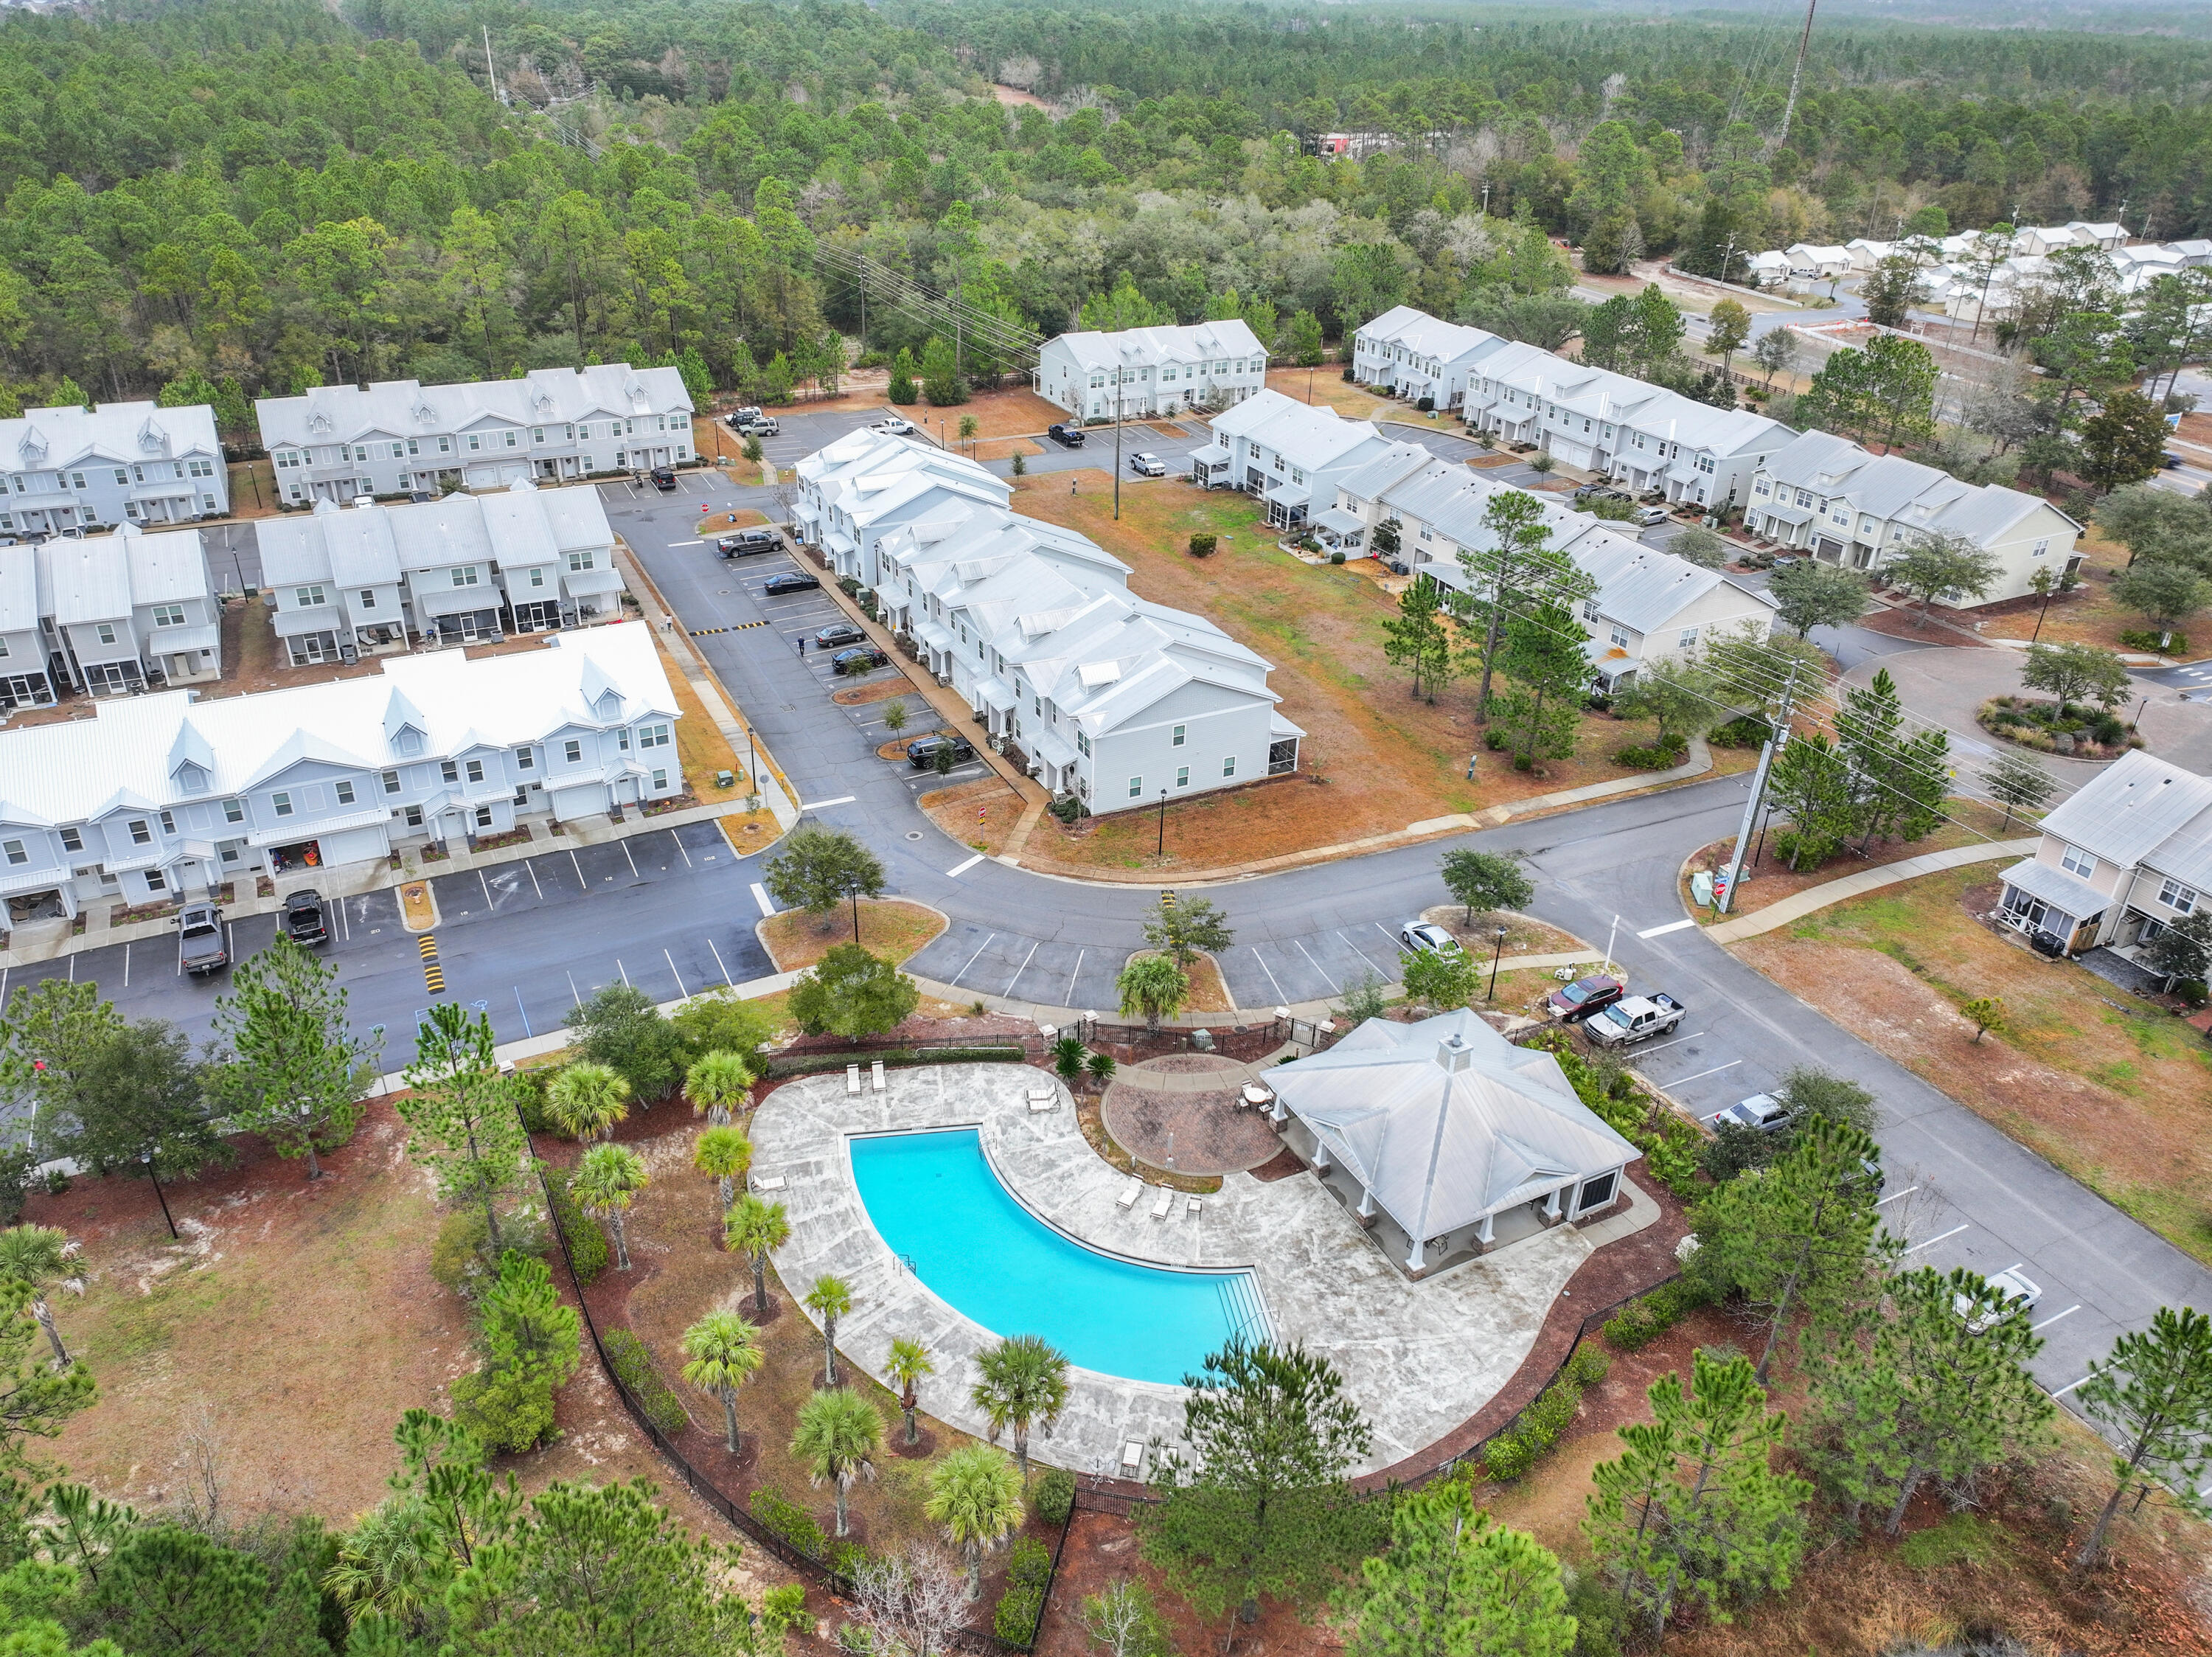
(935, 1200)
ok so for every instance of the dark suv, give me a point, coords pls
(664, 477)
(304, 919)
(922, 753)
(837, 632)
(859, 659)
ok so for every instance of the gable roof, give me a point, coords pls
(408, 408)
(2141, 811)
(46, 440)
(1140, 347)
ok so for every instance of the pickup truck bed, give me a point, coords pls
(1634, 1018)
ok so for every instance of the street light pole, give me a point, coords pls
(1161, 850)
(1117, 443)
(854, 892)
(1497, 950)
(146, 1157)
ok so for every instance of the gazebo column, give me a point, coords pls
(1366, 1209)
(1486, 1233)
(1320, 1157)
(1417, 1262)
(1551, 1207)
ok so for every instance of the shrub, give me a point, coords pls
(1600, 1614)
(1588, 1366)
(1645, 1319)
(1426, 405)
(588, 1253)
(783, 1611)
(461, 1258)
(1541, 463)
(1745, 731)
(1513, 1452)
(1662, 755)
(509, 1410)
(2193, 992)
(1337, 557)
(2150, 639)
(790, 1522)
(1795, 847)
(849, 1559)
(634, 1370)
(1030, 1564)
(1201, 547)
(1016, 1620)
(529, 1098)
(1347, 376)
(1055, 1496)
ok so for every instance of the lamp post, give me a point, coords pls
(852, 892)
(152, 1173)
(1162, 849)
(1497, 950)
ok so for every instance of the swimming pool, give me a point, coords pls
(935, 1199)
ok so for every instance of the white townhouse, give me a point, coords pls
(109, 616)
(1290, 453)
(1828, 496)
(1142, 372)
(1415, 356)
(116, 463)
(165, 796)
(2124, 856)
(402, 438)
(1810, 261)
(26, 679)
(1865, 254)
(464, 569)
(867, 484)
(1101, 695)
(2107, 236)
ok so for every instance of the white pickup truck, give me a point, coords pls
(1634, 1018)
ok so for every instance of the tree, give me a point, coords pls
(2076, 672)
(607, 1180)
(1681, 694)
(36, 1401)
(1811, 785)
(462, 1123)
(1185, 929)
(1841, 394)
(1898, 780)
(2152, 522)
(724, 1353)
(1815, 595)
(912, 1604)
(1154, 986)
(756, 1228)
(1304, 340)
(2018, 784)
(722, 1021)
(1258, 1502)
(1437, 979)
(1776, 352)
(173, 1590)
(1810, 1091)
(1706, 548)
(908, 1363)
(1487, 880)
(620, 1027)
(942, 383)
(1727, 328)
(1894, 287)
(716, 1082)
(1367, 280)
(976, 1493)
(1986, 1014)
(586, 1100)
(1124, 1619)
(850, 992)
(838, 1436)
(829, 1299)
(527, 1328)
(1942, 1391)
(50, 1034)
(2154, 1392)
(1950, 567)
(2123, 442)
(1693, 1508)
(1519, 567)
(135, 1102)
(2181, 949)
(723, 1154)
(1453, 1581)
(1802, 1239)
(1542, 652)
(1023, 1384)
(2164, 594)
(290, 1069)
(901, 389)
(39, 1257)
(1415, 638)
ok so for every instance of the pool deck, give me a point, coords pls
(1419, 1358)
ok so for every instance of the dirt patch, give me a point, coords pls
(1003, 448)
(2089, 614)
(890, 928)
(1187, 1133)
(1016, 411)
(882, 690)
(979, 815)
(1524, 934)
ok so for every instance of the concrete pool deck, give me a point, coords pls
(1419, 1359)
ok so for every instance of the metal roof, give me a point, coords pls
(2057, 888)
(2141, 811)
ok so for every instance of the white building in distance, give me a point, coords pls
(116, 463)
(1143, 372)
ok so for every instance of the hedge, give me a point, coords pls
(1645, 1319)
(799, 1064)
(587, 1242)
(1028, 1573)
(1670, 1148)
(790, 1521)
(2151, 638)
(1054, 1498)
(1664, 755)
(633, 1367)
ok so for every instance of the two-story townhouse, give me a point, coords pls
(868, 484)
(555, 555)
(1416, 355)
(335, 578)
(163, 795)
(1138, 373)
(73, 468)
(2126, 854)
(400, 437)
(26, 677)
(2104, 235)
(1848, 507)
(124, 611)
(1290, 453)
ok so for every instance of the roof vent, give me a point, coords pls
(1454, 1054)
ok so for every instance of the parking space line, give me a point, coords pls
(1671, 926)
(624, 970)
(583, 886)
(484, 881)
(1035, 945)
(1335, 989)
(726, 978)
(679, 838)
(822, 804)
(523, 1010)
(672, 972)
(1932, 1241)
(1702, 1074)
(1362, 954)
(573, 995)
(687, 542)
(126, 966)
(761, 897)
(2038, 1328)
(1677, 1042)
(534, 887)
(1280, 997)
(632, 861)
(2069, 1387)
(1074, 976)
(1894, 1195)
(980, 949)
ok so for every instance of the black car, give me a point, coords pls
(791, 581)
(838, 632)
(664, 477)
(304, 920)
(922, 754)
(859, 659)
(747, 542)
(1066, 436)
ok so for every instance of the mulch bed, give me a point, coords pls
(1282, 1167)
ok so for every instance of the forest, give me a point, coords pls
(238, 197)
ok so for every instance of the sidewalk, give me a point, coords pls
(1783, 911)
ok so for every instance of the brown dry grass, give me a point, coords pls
(880, 690)
(1767, 881)
(1016, 411)
(980, 813)
(1331, 390)
(892, 928)
(2118, 1094)
(2089, 614)
(253, 492)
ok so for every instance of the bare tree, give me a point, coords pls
(910, 1604)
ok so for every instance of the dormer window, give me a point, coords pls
(190, 778)
(408, 742)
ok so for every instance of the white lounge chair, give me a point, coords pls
(1128, 1199)
(851, 1078)
(1167, 1201)
(876, 1074)
(774, 1182)
(1041, 1102)
(1133, 1456)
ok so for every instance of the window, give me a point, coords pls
(538, 434)
(510, 440)
(1179, 732)
(484, 817)
(105, 632)
(445, 445)
(2040, 549)
(1082, 743)
(307, 598)
(466, 576)
(1619, 636)
(1596, 1193)
(652, 736)
(368, 598)
(621, 738)
(76, 480)
(2075, 861)
(476, 771)
(448, 771)
(1183, 777)
(525, 760)
(659, 780)
(572, 750)
(538, 578)
(283, 802)
(1687, 639)
(413, 447)
(169, 615)
(475, 442)
(412, 816)
(15, 850)
(391, 780)
(1136, 787)
(157, 881)
(580, 561)
(140, 834)
(72, 840)
(233, 811)
(345, 793)
(1759, 488)
(168, 822)
(1589, 609)
(1229, 766)
(2181, 899)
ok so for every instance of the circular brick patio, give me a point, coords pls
(1179, 1114)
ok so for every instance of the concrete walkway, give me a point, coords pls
(1783, 910)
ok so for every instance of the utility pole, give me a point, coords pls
(491, 69)
(1796, 76)
(1118, 373)
(1776, 737)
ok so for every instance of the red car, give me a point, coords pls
(1582, 997)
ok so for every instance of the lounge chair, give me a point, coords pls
(1041, 1099)
(876, 1074)
(1128, 1199)
(1192, 1206)
(851, 1078)
(1133, 1456)
(1167, 1201)
(773, 1182)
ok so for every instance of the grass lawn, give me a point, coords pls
(1381, 759)
(2089, 614)
(1767, 881)
(1330, 389)
(892, 928)
(2115, 1092)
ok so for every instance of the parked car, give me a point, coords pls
(1066, 436)
(748, 542)
(859, 659)
(304, 920)
(2168, 459)
(1576, 1002)
(1633, 1019)
(1590, 492)
(893, 425)
(791, 580)
(202, 940)
(1647, 515)
(1785, 560)
(1761, 1110)
(922, 753)
(737, 417)
(761, 425)
(2020, 1294)
(838, 632)
(1148, 464)
(1427, 938)
(664, 477)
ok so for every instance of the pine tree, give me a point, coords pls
(1542, 652)
(1519, 567)
(1454, 1582)
(2155, 1392)
(461, 1116)
(901, 390)
(1811, 785)
(1415, 639)
(291, 1069)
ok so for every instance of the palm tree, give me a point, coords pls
(1155, 986)
(839, 1434)
(976, 1493)
(831, 1298)
(389, 1564)
(1025, 1385)
(908, 1363)
(604, 1182)
(726, 1154)
(586, 1100)
(726, 1353)
(756, 1229)
(40, 1256)
(718, 1082)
